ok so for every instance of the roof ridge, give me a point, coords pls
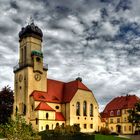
(56, 80)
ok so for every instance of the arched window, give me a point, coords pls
(85, 108)
(47, 115)
(78, 108)
(47, 127)
(91, 110)
(57, 125)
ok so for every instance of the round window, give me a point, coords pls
(57, 107)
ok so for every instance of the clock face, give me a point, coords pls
(37, 77)
(20, 78)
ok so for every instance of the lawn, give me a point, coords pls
(110, 137)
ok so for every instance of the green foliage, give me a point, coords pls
(67, 130)
(6, 104)
(72, 129)
(18, 130)
(104, 131)
(134, 116)
(61, 131)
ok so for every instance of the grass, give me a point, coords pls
(110, 137)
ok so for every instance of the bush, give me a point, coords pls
(104, 131)
(114, 133)
(18, 130)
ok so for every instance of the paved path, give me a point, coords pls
(132, 137)
(135, 137)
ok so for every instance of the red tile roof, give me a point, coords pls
(59, 92)
(118, 103)
(59, 116)
(44, 106)
(71, 88)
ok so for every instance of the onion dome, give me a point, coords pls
(30, 31)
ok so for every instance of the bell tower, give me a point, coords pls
(30, 73)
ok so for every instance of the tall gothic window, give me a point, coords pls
(78, 108)
(47, 116)
(91, 110)
(85, 108)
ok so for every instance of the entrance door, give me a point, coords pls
(118, 128)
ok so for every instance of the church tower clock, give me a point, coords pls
(30, 73)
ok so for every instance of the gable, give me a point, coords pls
(59, 92)
(119, 103)
(44, 106)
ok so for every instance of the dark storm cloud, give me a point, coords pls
(98, 39)
(14, 5)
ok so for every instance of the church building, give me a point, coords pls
(45, 102)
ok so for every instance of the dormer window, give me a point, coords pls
(118, 112)
(111, 113)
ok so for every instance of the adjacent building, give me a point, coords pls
(45, 102)
(115, 115)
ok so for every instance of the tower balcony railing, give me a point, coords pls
(20, 66)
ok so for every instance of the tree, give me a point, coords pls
(134, 116)
(6, 104)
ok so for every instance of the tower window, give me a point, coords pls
(38, 59)
(24, 109)
(16, 109)
(25, 55)
(85, 108)
(32, 107)
(78, 108)
(36, 120)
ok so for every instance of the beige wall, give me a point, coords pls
(43, 121)
(82, 96)
(126, 127)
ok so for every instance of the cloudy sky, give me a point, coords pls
(96, 39)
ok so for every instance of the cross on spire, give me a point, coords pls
(30, 20)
